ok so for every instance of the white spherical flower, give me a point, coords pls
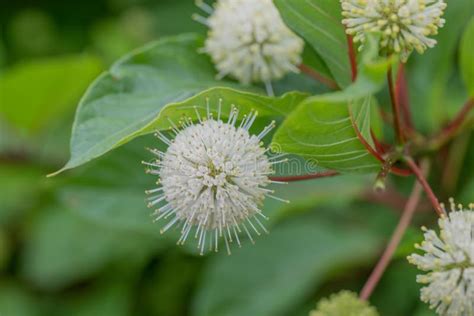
(214, 177)
(449, 261)
(404, 25)
(248, 40)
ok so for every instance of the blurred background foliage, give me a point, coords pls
(83, 243)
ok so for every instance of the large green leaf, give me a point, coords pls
(35, 93)
(145, 88)
(466, 59)
(322, 127)
(62, 248)
(273, 276)
(319, 23)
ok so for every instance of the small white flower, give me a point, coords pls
(404, 25)
(248, 40)
(449, 261)
(213, 179)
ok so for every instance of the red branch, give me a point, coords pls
(395, 108)
(352, 57)
(325, 174)
(401, 91)
(319, 77)
(364, 142)
(429, 192)
(408, 211)
(458, 121)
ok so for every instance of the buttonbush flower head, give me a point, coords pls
(248, 40)
(344, 303)
(449, 261)
(404, 25)
(213, 179)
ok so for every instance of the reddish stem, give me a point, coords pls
(395, 107)
(325, 174)
(352, 57)
(377, 273)
(458, 121)
(429, 192)
(364, 142)
(319, 77)
(401, 90)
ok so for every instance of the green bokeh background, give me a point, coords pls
(83, 243)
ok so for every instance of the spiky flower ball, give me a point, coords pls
(344, 303)
(449, 261)
(404, 25)
(214, 177)
(248, 40)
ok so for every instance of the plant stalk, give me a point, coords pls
(397, 235)
(318, 77)
(397, 124)
(422, 180)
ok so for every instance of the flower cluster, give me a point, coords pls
(449, 261)
(214, 177)
(404, 25)
(344, 303)
(248, 40)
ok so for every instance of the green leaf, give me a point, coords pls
(281, 269)
(313, 60)
(150, 85)
(5, 249)
(466, 59)
(103, 299)
(35, 93)
(319, 23)
(168, 285)
(19, 190)
(322, 127)
(16, 301)
(62, 247)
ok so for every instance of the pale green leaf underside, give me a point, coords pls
(319, 23)
(142, 90)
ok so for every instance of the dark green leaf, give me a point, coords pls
(319, 23)
(398, 293)
(19, 190)
(62, 248)
(16, 301)
(281, 269)
(104, 299)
